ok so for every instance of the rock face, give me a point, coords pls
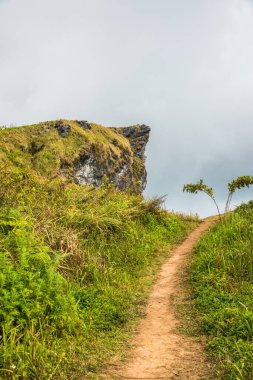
(138, 137)
(126, 171)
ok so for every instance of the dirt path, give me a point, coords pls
(160, 351)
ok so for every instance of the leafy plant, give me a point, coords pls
(201, 186)
(238, 183)
(37, 310)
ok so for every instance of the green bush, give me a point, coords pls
(36, 307)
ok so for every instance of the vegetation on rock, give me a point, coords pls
(77, 151)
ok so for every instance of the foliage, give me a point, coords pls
(222, 279)
(35, 302)
(238, 183)
(201, 186)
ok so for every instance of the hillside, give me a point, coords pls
(222, 279)
(77, 151)
(75, 261)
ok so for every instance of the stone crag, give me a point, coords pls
(90, 170)
(78, 151)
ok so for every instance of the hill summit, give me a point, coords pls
(78, 151)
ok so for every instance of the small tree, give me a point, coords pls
(236, 184)
(201, 186)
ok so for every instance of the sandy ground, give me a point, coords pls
(160, 350)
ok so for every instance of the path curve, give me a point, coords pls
(159, 350)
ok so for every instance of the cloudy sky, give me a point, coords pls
(183, 67)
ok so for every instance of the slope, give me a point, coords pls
(75, 261)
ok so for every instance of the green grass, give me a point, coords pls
(75, 266)
(222, 279)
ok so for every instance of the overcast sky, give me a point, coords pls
(184, 67)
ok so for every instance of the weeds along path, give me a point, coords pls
(160, 351)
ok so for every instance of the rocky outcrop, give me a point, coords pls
(62, 128)
(79, 151)
(84, 124)
(125, 171)
(138, 137)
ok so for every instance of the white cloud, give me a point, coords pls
(184, 67)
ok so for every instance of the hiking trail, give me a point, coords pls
(160, 350)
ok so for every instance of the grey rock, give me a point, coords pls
(88, 170)
(84, 124)
(122, 177)
(63, 129)
(138, 137)
(135, 132)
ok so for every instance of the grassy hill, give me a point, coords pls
(75, 261)
(222, 278)
(77, 151)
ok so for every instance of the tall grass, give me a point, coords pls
(75, 264)
(222, 278)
